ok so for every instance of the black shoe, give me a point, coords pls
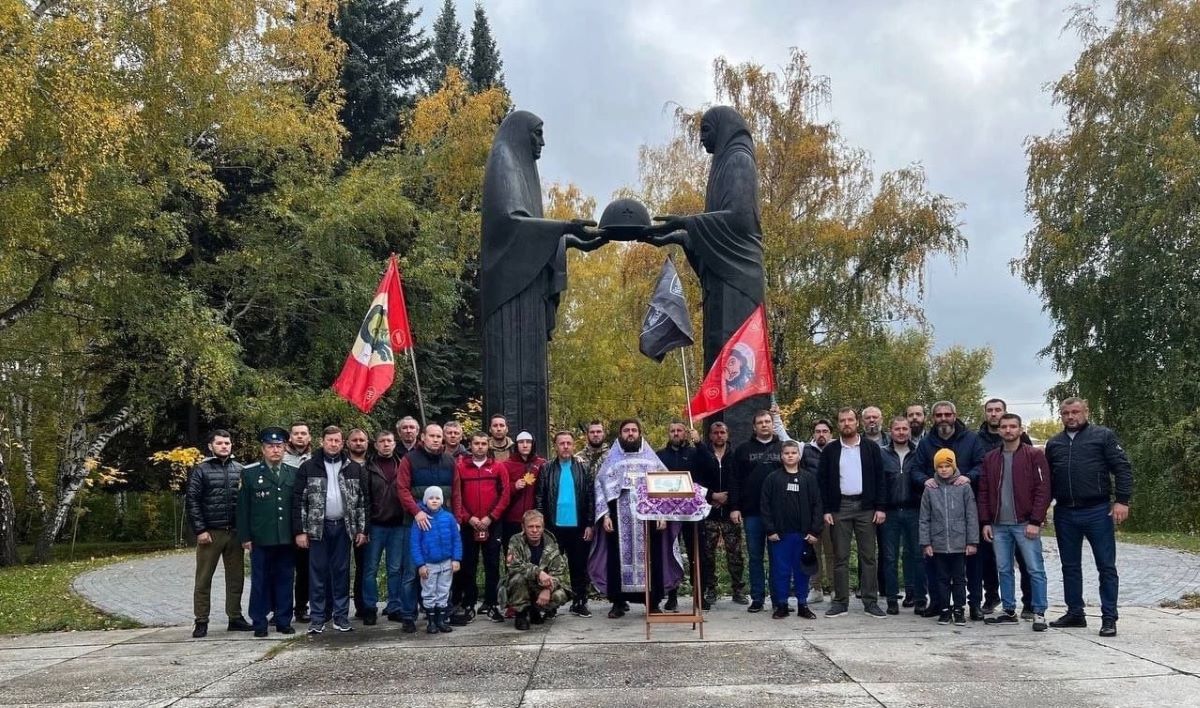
(893, 607)
(617, 612)
(920, 609)
(443, 620)
(654, 610)
(550, 613)
(302, 614)
(1069, 620)
(535, 616)
(944, 617)
(672, 603)
(1027, 613)
(739, 598)
(781, 612)
(836, 609)
(1108, 627)
(369, 617)
(494, 614)
(463, 618)
(200, 631)
(705, 604)
(624, 606)
(930, 612)
(394, 617)
(960, 619)
(989, 606)
(1039, 623)
(580, 609)
(1005, 617)
(522, 620)
(804, 613)
(872, 610)
(432, 615)
(976, 614)
(756, 606)
(408, 626)
(343, 625)
(709, 596)
(909, 601)
(239, 624)
(260, 633)
(286, 629)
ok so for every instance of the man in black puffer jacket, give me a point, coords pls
(210, 500)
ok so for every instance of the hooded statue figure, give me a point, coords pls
(724, 244)
(523, 269)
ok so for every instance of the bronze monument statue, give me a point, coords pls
(523, 269)
(724, 244)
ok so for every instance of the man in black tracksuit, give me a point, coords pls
(678, 455)
(1092, 483)
(753, 460)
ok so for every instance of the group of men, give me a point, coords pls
(304, 513)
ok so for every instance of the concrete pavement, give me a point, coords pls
(745, 660)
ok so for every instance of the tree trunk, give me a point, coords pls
(73, 470)
(8, 520)
(22, 428)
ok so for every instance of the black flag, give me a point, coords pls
(667, 325)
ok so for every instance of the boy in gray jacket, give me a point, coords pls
(949, 532)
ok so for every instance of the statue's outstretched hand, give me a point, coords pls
(584, 228)
(668, 229)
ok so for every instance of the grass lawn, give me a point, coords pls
(1164, 539)
(38, 598)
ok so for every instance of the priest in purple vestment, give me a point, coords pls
(617, 562)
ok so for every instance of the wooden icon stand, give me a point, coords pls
(696, 617)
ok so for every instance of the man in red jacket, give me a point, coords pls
(1014, 494)
(481, 493)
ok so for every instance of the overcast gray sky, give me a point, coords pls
(956, 86)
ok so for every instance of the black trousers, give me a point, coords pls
(301, 555)
(571, 543)
(360, 559)
(949, 588)
(464, 590)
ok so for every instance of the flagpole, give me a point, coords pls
(687, 389)
(412, 357)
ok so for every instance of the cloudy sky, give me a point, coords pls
(956, 86)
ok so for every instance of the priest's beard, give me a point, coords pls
(634, 445)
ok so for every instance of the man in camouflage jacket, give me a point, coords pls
(538, 580)
(329, 510)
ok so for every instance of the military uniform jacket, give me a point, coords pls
(521, 565)
(264, 515)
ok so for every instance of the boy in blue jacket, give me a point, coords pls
(437, 554)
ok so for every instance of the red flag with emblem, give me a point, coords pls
(371, 365)
(742, 369)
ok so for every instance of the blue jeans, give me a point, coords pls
(756, 542)
(1010, 538)
(329, 574)
(1072, 525)
(785, 569)
(401, 573)
(900, 535)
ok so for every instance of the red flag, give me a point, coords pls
(371, 365)
(741, 370)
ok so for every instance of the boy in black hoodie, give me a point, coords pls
(792, 519)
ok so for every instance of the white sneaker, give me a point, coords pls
(815, 596)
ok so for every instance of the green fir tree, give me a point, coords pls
(386, 57)
(486, 69)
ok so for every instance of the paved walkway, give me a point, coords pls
(745, 660)
(157, 591)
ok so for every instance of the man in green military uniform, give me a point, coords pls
(538, 582)
(264, 523)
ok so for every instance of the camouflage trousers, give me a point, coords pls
(522, 593)
(723, 531)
